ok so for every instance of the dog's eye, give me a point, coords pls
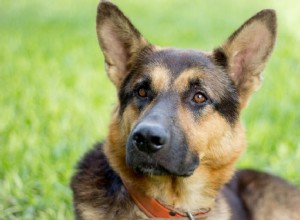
(199, 98)
(142, 92)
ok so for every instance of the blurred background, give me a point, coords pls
(55, 98)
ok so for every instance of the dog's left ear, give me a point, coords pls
(119, 40)
(246, 51)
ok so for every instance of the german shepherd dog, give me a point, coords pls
(175, 134)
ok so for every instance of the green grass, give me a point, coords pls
(55, 98)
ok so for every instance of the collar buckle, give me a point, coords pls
(190, 216)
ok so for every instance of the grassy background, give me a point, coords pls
(55, 99)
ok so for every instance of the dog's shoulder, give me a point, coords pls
(97, 188)
(94, 170)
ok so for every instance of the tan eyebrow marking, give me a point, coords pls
(213, 85)
(160, 78)
(182, 81)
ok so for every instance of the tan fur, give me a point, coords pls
(94, 213)
(160, 78)
(129, 121)
(181, 83)
(90, 213)
(217, 160)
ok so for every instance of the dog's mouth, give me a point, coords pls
(155, 165)
(150, 170)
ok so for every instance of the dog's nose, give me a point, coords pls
(149, 138)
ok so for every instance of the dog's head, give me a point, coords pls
(179, 109)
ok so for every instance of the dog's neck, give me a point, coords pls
(154, 209)
(186, 194)
(183, 199)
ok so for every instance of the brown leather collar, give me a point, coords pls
(155, 210)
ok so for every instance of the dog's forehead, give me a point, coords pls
(177, 61)
(176, 68)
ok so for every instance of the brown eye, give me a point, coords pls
(199, 98)
(142, 92)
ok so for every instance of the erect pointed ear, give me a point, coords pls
(245, 53)
(119, 40)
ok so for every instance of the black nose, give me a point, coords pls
(149, 138)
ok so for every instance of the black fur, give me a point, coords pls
(229, 105)
(96, 184)
(220, 58)
(97, 163)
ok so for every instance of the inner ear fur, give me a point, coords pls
(119, 40)
(245, 53)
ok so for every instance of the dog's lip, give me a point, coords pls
(148, 168)
(158, 170)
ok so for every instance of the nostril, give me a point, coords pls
(138, 140)
(137, 137)
(157, 140)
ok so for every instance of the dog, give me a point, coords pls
(175, 133)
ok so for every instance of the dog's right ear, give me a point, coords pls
(119, 40)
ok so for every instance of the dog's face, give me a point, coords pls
(177, 100)
(179, 109)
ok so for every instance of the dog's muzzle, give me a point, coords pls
(157, 147)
